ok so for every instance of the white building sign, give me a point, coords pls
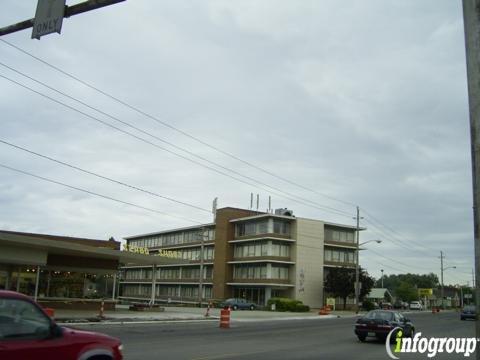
(48, 17)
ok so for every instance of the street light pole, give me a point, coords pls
(382, 277)
(357, 275)
(441, 276)
(442, 269)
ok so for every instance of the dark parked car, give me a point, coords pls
(237, 303)
(378, 323)
(27, 332)
(387, 306)
(400, 305)
(468, 312)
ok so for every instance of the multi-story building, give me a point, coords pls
(244, 254)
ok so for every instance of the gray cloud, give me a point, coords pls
(364, 101)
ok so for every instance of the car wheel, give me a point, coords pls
(412, 332)
(362, 338)
(235, 307)
(462, 318)
(252, 307)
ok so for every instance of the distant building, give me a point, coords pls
(379, 295)
(246, 254)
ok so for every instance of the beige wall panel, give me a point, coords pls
(308, 253)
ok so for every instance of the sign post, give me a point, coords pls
(48, 17)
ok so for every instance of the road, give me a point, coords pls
(287, 339)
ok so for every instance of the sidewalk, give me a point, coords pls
(171, 313)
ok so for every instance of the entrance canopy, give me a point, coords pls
(61, 252)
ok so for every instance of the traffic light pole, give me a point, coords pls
(69, 11)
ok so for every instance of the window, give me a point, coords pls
(255, 249)
(280, 272)
(207, 292)
(250, 271)
(281, 227)
(168, 290)
(25, 320)
(252, 228)
(280, 249)
(169, 273)
(262, 227)
(340, 235)
(343, 256)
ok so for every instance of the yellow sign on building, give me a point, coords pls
(425, 292)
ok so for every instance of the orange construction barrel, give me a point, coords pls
(225, 318)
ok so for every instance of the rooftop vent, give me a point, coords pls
(284, 212)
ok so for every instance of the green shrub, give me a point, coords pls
(368, 305)
(286, 304)
(302, 308)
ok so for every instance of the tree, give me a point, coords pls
(406, 292)
(367, 283)
(425, 281)
(340, 283)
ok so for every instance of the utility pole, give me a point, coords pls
(357, 270)
(441, 276)
(382, 277)
(471, 21)
(69, 11)
(442, 269)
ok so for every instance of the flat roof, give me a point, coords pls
(169, 231)
(46, 246)
(263, 216)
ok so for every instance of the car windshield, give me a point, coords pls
(379, 315)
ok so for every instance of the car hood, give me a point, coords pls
(89, 335)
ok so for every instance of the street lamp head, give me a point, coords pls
(366, 242)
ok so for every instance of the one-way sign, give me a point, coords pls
(48, 17)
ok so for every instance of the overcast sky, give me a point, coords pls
(353, 102)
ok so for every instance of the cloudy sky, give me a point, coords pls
(322, 105)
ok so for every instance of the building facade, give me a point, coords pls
(243, 254)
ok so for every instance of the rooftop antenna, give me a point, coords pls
(214, 208)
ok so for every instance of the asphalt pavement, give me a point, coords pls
(310, 338)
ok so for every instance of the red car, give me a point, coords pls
(27, 332)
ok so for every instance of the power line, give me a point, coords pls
(162, 140)
(339, 212)
(320, 207)
(399, 262)
(96, 194)
(395, 241)
(394, 232)
(387, 266)
(102, 176)
(139, 111)
(152, 117)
